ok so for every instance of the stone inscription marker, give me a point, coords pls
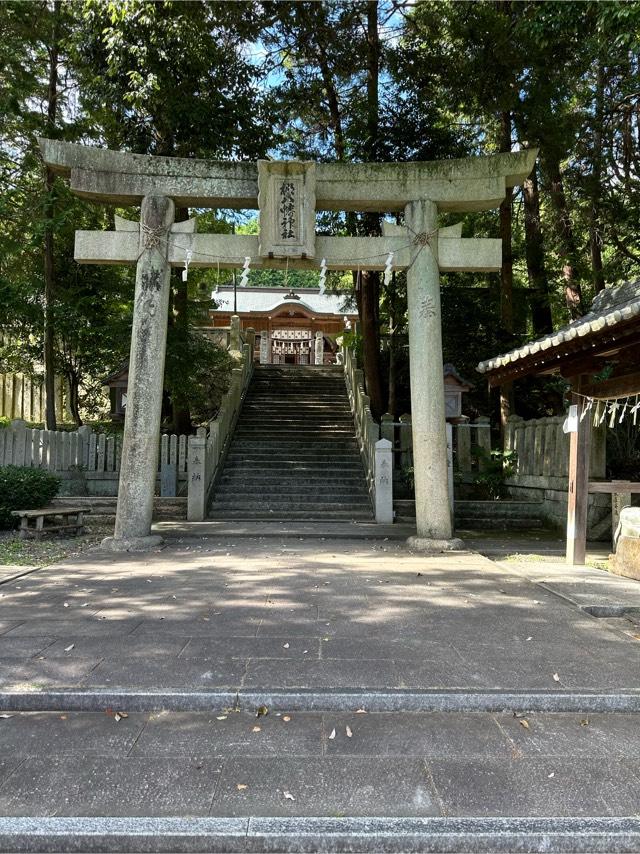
(287, 194)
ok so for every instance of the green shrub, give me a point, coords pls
(24, 489)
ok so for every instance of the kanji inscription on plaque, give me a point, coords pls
(286, 197)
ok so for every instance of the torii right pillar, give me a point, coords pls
(434, 525)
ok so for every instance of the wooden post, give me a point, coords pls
(578, 498)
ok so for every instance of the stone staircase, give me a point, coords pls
(294, 454)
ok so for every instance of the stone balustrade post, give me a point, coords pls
(197, 479)
(406, 441)
(549, 453)
(235, 341)
(250, 335)
(538, 446)
(139, 462)
(463, 456)
(383, 487)
(482, 425)
(265, 347)
(388, 432)
(529, 442)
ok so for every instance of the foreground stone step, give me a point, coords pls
(223, 780)
(310, 515)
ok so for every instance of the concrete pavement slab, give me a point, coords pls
(322, 674)
(284, 648)
(42, 733)
(101, 785)
(428, 735)
(12, 647)
(38, 675)
(332, 786)
(567, 735)
(559, 786)
(167, 673)
(229, 734)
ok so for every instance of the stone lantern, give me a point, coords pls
(454, 387)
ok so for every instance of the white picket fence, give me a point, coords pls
(63, 451)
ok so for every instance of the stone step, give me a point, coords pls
(332, 478)
(501, 509)
(256, 461)
(492, 523)
(286, 507)
(298, 492)
(311, 515)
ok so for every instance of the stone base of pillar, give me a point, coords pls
(425, 544)
(131, 544)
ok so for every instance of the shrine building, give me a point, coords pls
(288, 324)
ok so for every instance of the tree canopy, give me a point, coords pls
(346, 80)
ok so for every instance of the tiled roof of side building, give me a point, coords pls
(611, 307)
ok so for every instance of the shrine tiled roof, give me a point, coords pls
(263, 301)
(611, 307)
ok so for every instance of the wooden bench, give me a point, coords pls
(63, 518)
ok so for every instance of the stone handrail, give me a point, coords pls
(208, 448)
(377, 453)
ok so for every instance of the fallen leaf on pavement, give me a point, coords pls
(584, 722)
(285, 646)
(241, 786)
(524, 722)
(361, 711)
(333, 734)
(286, 718)
(553, 774)
(256, 729)
(348, 731)
(4, 717)
(556, 678)
(69, 648)
(221, 717)
(262, 711)
(289, 796)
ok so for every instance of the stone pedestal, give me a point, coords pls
(433, 516)
(626, 560)
(139, 464)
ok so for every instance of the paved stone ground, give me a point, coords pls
(250, 615)
(305, 614)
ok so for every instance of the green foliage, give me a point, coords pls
(494, 468)
(24, 489)
(197, 374)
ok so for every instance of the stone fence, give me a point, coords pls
(208, 448)
(377, 453)
(87, 463)
(541, 470)
(464, 437)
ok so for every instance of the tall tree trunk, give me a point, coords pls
(566, 237)
(506, 270)
(73, 387)
(534, 251)
(369, 303)
(49, 269)
(595, 229)
(180, 415)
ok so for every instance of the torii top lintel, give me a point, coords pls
(120, 178)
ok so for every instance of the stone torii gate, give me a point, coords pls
(287, 194)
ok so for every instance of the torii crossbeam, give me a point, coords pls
(287, 194)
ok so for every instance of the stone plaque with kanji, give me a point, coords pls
(287, 201)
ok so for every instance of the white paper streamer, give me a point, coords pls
(388, 267)
(187, 261)
(322, 282)
(244, 279)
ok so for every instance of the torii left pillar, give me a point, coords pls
(139, 463)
